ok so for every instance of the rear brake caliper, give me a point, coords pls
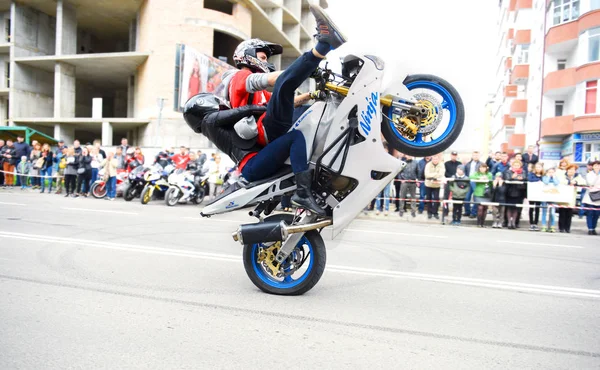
(266, 256)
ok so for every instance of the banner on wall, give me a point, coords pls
(540, 192)
(196, 73)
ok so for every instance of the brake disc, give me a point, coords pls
(435, 112)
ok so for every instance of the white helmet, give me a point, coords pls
(245, 55)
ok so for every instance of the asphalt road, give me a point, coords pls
(88, 284)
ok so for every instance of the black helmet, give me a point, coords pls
(199, 106)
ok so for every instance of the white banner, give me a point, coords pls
(540, 192)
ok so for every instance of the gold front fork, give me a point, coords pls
(344, 92)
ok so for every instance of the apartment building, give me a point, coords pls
(105, 69)
(548, 68)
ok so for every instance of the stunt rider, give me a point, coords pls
(255, 162)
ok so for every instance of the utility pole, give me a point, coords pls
(161, 104)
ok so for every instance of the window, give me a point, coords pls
(591, 91)
(590, 151)
(523, 57)
(219, 5)
(558, 108)
(565, 11)
(594, 45)
(594, 4)
(561, 64)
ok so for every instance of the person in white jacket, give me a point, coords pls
(593, 181)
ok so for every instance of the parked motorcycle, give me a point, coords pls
(98, 188)
(419, 115)
(156, 181)
(182, 189)
(135, 183)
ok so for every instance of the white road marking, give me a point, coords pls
(14, 204)
(200, 218)
(496, 284)
(395, 233)
(541, 244)
(98, 210)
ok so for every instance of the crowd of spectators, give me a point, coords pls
(469, 187)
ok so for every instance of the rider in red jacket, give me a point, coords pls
(181, 159)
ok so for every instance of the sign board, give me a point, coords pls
(553, 155)
(567, 146)
(540, 192)
(590, 136)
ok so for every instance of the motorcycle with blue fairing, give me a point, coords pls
(419, 115)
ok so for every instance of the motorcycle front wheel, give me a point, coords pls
(130, 193)
(98, 190)
(199, 198)
(300, 272)
(172, 196)
(146, 195)
(438, 130)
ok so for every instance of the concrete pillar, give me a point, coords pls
(66, 29)
(64, 132)
(64, 90)
(97, 108)
(3, 112)
(130, 96)
(107, 134)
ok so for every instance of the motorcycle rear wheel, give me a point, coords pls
(452, 106)
(172, 196)
(266, 282)
(98, 190)
(199, 198)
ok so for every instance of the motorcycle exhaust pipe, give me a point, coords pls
(272, 231)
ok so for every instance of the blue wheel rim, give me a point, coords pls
(448, 103)
(288, 281)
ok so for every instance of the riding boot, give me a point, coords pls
(303, 197)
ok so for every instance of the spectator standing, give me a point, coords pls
(77, 147)
(385, 196)
(434, 174)
(459, 189)
(97, 158)
(408, 186)
(519, 157)
(549, 178)
(124, 145)
(593, 181)
(501, 166)
(97, 146)
(536, 175)
(71, 171)
(22, 149)
(120, 158)
(565, 215)
(492, 161)
(110, 173)
(561, 171)
(530, 158)
(61, 158)
(23, 168)
(499, 196)
(9, 154)
(47, 158)
(515, 192)
(451, 165)
(422, 188)
(470, 168)
(181, 159)
(163, 158)
(36, 165)
(215, 178)
(84, 173)
(482, 193)
(201, 158)
(2, 143)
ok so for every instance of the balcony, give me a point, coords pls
(504, 148)
(586, 123)
(511, 34)
(518, 108)
(522, 37)
(520, 74)
(516, 141)
(508, 121)
(512, 5)
(586, 72)
(560, 83)
(563, 38)
(523, 4)
(557, 126)
(510, 91)
(588, 20)
(508, 63)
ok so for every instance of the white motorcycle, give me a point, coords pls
(418, 115)
(182, 189)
